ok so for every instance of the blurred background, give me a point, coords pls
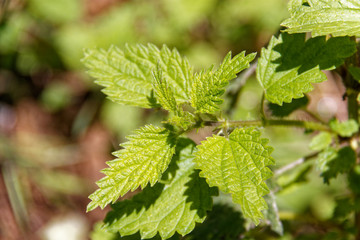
(57, 130)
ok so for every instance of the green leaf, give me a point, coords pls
(287, 108)
(176, 205)
(164, 93)
(208, 86)
(182, 119)
(325, 157)
(100, 234)
(354, 179)
(323, 17)
(237, 165)
(127, 74)
(223, 222)
(355, 72)
(165, 96)
(321, 141)
(340, 162)
(290, 64)
(344, 129)
(345, 206)
(144, 158)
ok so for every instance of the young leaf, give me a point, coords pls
(290, 64)
(182, 119)
(127, 74)
(344, 129)
(208, 86)
(165, 96)
(321, 141)
(163, 91)
(323, 17)
(237, 165)
(165, 209)
(144, 158)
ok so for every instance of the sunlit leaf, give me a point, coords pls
(238, 165)
(209, 85)
(323, 17)
(144, 158)
(127, 74)
(344, 129)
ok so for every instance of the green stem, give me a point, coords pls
(273, 122)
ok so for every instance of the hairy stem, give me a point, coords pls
(315, 126)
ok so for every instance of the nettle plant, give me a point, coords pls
(178, 177)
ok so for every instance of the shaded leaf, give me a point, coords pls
(345, 206)
(237, 165)
(355, 72)
(143, 160)
(290, 64)
(287, 108)
(323, 17)
(337, 162)
(354, 180)
(223, 222)
(209, 85)
(175, 205)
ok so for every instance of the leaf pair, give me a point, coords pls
(146, 76)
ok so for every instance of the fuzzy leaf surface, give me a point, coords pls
(209, 85)
(144, 158)
(175, 205)
(290, 64)
(238, 165)
(323, 17)
(127, 74)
